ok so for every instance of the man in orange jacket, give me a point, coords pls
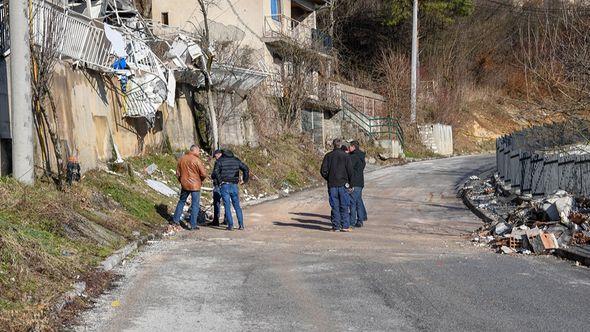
(190, 173)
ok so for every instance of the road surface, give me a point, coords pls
(412, 268)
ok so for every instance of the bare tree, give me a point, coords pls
(206, 63)
(46, 36)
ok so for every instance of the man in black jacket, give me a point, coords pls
(337, 171)
(227, 173)
(358, 213)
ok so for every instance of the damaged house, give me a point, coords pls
(126, 82)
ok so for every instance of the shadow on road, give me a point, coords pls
(305, 214)
(306, 226)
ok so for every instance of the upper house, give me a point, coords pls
(263, 25)
(269, 28)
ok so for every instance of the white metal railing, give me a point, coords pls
(73, 35)
(82, 39)
(282, 26)
(4, 30)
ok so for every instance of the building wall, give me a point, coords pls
(90, 116)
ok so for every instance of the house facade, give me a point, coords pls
(272, 28)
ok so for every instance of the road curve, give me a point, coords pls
(410, 269)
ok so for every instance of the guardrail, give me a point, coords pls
(73, 35)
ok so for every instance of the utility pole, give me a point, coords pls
(414, 83)
(20, 93)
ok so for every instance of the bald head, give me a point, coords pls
(195, 149)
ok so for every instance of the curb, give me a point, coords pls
(106, 265)
(578, 254)
(479, 213)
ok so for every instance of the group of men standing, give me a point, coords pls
(343, 169)
(191, 173)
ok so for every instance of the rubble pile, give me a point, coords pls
(523, 224)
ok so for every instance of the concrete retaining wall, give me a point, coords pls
(539, 174)
(438, 138)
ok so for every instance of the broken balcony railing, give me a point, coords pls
(82, 39)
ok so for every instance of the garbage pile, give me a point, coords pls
(527, 225)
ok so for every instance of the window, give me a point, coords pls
(165, 18)
(275, 9)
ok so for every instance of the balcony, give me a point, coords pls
(282, 30)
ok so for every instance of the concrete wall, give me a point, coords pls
(90, 116)
(333, 126)
(242, 20)
(438, 138)
(393, 147)
(235, 126)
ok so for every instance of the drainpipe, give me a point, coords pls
(20, 93)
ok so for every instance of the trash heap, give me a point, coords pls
(527, 225)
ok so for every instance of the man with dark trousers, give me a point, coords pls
(216, 191)
(337, 171)
(227, 172)
(358, 213)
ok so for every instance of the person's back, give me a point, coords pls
(227, 172)
(191, 172)
(336, 169)
(228, 167)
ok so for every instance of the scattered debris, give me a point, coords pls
(384, 156)
(526, 224)
(161, 188)
(151, 169)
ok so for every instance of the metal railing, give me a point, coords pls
(374, 127)
(73, 35)
(282, 26)
(4, 29)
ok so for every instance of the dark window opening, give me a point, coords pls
(165, 19)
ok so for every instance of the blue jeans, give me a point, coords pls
(195, 207)
(340, 204)
(358, 212)
(216, 204)
(229, 194)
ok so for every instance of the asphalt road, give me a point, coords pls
(411, 268)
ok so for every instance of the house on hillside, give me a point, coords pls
(125, 84)
(274, 30)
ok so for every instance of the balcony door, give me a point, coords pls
(276, 9)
